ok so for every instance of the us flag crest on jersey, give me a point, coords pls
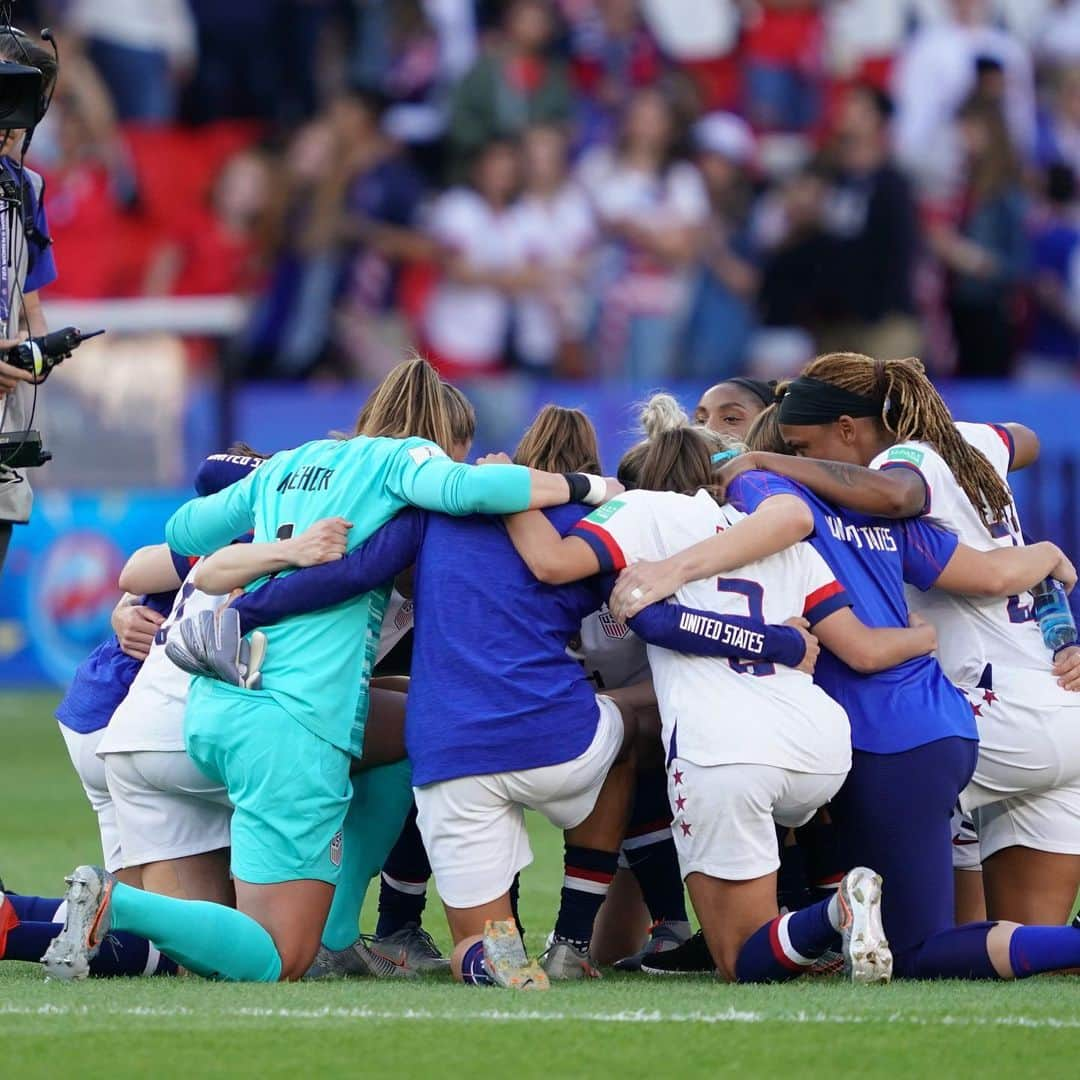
(612, 627)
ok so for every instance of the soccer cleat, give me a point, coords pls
(867, 956)
(411, 946)
(356, 961)
(505, 959)
(663, 937)
(8, 920)
(564, 962)
(88, 896)
(210, 643)
(692, 957)
(828, 963)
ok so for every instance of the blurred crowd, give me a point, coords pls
(637, 188)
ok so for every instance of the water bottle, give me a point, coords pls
(1053, 614)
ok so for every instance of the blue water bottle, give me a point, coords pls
(1053, 614)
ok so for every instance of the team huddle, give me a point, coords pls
(798, 662)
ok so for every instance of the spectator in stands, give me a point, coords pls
(215, 249)
(862, 37)
(985, 249)
(1057, 37)
(557, 233)
(650, 202)
(144, 50)
(871, 214)
(1053, 351)
(936, 72)
(783, 64)
(466, 325)
(700, 37)
(91, 185)
(612, 54)
(722, 316)
(798, 294)
(1059, 123)
(516, 82)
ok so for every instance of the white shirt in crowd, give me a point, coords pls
(719, 711)
(164, 25)
(555, 233)
(693, 29)
(469, 323)
(934, 73)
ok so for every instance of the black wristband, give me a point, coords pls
(579, 486)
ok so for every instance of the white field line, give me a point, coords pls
(630, 1016)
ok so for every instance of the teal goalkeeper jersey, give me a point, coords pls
(318, 665)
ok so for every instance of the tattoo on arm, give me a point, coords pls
(847, 475)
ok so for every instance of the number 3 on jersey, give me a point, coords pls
(755, 595)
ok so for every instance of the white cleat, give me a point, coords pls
(505, 959)
(867, 956)
(85, 927)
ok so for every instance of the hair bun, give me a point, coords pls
(661, 413)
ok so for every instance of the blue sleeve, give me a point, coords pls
(750, 489)
(705, 633)
(380, 558)
(43, 269)
(201, 526)
(927, 551)
(182, 564)
(424, 476)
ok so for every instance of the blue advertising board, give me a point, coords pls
(59, 583)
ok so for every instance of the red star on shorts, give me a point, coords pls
(685, 828)
(678, 777)
(680, 802)
(990, 697)
(975, 709)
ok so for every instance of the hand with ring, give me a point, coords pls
(641, 585)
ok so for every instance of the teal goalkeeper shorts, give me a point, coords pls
(289, 788)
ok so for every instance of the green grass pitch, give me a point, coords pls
(620, 1026)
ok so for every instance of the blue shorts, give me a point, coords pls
(290, 788)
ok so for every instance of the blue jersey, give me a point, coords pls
(103, 679)
(913, 703)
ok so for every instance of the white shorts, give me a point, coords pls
(725, 816)
(965, 842)
(166, 807)
(1026, 787)
(82, 749)
(473, 827)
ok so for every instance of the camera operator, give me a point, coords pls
(27, 266)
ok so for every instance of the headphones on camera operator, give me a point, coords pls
(25, 96)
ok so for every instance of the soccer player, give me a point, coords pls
(290, 744)
(730, 407)
(891, 447)
(487, 739)
(913, 733)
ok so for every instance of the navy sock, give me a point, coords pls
(121, 953)
(473, 970)
(36, 908)
(956, 953)
(792, 890)
(785, 947)
(587, 878)
(824, 868)
(403, 887)
(649, 849)
(1036, 949)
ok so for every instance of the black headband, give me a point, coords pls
(812, 401)
(764, 391)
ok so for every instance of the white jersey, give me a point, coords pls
(397, 622)
(611, 653)
(974, 631)
(720, 711)
(151, 717)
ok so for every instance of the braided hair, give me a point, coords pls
(913, 409)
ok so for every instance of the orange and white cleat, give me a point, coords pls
(867, 956)
(88, 897)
